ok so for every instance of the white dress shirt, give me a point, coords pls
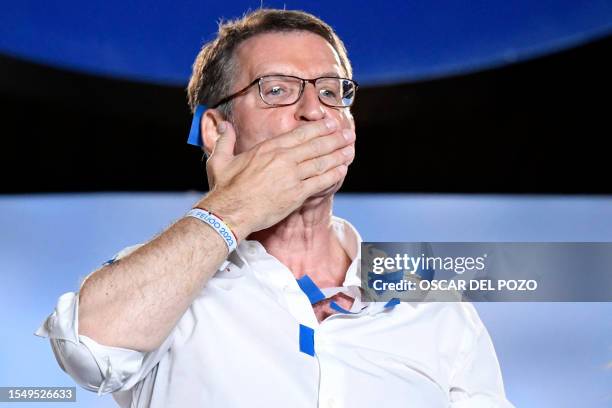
(238, 345)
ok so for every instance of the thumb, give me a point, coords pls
(224, 148)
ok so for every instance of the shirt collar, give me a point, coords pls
(351, 242)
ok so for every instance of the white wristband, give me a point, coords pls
(217, 224)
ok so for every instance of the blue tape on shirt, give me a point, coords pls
(339, 308)
(195, 138)
(392, 303)
(310, 289)
(307, 340)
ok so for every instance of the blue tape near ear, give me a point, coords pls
(307, 340)
(310, 289)
(392, 303)
(195, 138)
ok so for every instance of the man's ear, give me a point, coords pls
(208, 129)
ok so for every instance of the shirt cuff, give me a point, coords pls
(95, 367)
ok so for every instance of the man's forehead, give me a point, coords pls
(296, 53)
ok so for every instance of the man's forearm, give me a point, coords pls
(136, 302)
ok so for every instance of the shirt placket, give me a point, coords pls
(298, 303)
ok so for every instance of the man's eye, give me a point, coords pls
(275, 91)
(328, 93)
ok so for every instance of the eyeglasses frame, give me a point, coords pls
(257, 81)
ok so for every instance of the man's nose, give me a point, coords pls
(310, 106)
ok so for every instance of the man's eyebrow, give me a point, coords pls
(325, 74)
(331, 74)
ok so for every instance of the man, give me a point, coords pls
(187, 320)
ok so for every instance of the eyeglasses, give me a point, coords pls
(285, 90)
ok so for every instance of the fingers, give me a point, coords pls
(321, 182)
(322, 146)
(305, 133)
(321, 164)
(224, 147)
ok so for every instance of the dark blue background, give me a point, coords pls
(387, 41)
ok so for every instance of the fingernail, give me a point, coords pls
(347, 151)
(348, 134)
(330, 123)
(222, 127)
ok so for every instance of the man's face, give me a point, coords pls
(300, 54)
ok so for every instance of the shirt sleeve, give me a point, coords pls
(477, 379)
(98, 368)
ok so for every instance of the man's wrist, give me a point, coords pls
(232, 217)
(217, 224)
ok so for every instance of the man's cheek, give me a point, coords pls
(246, 139)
